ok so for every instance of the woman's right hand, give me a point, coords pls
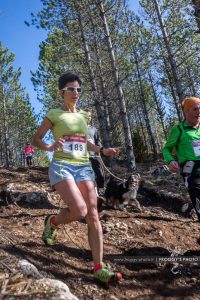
(173, 166)
(58, 145)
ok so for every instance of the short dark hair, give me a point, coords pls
(67, 77)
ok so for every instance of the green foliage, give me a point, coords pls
(140, 149)
(17, 119)
(76, 31)
(41, 158)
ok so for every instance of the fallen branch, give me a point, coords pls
(6, 237)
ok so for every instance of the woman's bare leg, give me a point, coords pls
(95, 235)
(70, 194)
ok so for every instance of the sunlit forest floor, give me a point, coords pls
(166, 227)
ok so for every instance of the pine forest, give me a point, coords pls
(136, 69)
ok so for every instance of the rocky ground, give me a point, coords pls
(134, 242)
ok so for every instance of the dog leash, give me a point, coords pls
(110, 171)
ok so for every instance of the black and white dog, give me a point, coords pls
(119, 193)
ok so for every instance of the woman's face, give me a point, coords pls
(71, 92)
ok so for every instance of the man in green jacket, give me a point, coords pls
(185, 139)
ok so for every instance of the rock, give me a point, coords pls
(28, 193)
(112, 297)
(161, 171)
(29, 269)
(185, 207)
(62, 291)
(175, 201)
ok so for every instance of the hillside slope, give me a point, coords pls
(161, 229)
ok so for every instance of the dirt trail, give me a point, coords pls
(159, 230)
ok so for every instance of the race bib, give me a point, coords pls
(74, 144)
(196, 148)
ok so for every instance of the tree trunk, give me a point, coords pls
(170, 55)
(126, 126)
(103, 121)
(100, 113)
(147, 121)
(142, 127)
(173, 93)
(159, 110)
(5, 131)
(196, 4)
(191, 85)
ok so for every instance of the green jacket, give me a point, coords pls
(182, 138)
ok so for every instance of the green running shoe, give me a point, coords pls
(49, 232)
(106, 276)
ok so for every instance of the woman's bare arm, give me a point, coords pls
(40, 134)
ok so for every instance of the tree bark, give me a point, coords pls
(158, 106)
(126, 126)
(147, 121)
(172, 61)
(196, 4)
(100, 113)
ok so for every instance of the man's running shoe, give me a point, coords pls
(106, 276)
(49, 232)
